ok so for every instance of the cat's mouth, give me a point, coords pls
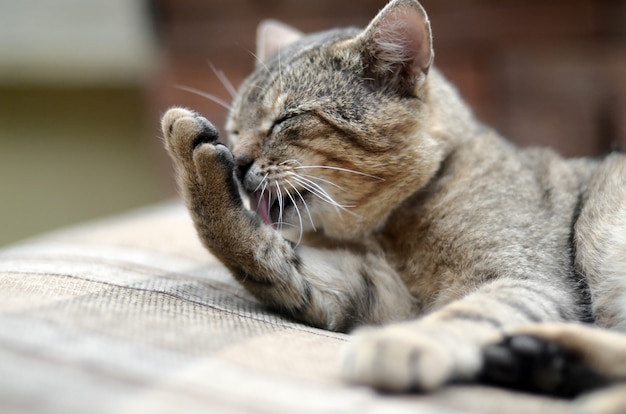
(269, 207)
(261, 203)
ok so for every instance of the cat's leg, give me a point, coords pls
(334, 289)
(447, 345)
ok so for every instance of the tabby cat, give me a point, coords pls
(372, 196)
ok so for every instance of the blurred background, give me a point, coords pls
(83, 83)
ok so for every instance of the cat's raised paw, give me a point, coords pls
(192, 141)
(184, 131)
(205, 167)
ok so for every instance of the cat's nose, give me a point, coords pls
(242, 165)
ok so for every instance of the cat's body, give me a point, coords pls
(398, 206)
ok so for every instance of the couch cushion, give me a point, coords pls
(131, 314)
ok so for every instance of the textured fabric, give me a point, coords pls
(132, 315)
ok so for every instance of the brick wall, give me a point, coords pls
(549, 72)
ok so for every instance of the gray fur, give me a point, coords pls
(395, 206)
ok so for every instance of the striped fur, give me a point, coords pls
(377, 198)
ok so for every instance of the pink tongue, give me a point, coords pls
(260, 202)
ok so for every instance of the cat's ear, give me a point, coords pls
(397, 46)
(271, 36)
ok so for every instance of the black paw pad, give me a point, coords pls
(535, 364)
(208, 135)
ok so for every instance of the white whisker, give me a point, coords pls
(208, 96)
(328, 167)
(280, 71)
(304, 204)
(279, 223)
(322, 180)
(260, 61)
(289, 186)
(322, 194)
(279, 195)
(291, 161)
(262, 89)
(311, 185)
(258, 204)
(224, 80)
(295, 206)
(261, 183)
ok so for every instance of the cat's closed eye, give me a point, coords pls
(281, 121)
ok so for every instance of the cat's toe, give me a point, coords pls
(184, 131)
(396, 361)
(213, 158)
(537, 364)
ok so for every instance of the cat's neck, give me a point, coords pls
(444, 123)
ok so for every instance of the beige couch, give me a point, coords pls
(132, 315)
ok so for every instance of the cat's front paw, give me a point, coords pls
(552, 359)
(192, 142)
(401, 358)
(184, 131)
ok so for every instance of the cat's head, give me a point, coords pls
(330, 132)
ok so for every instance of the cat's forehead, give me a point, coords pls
(294, 79)
(303, 60)
(315, 42)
